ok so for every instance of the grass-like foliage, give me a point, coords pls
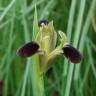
(19, 25)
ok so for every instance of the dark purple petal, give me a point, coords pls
(41, 22)
(72, 54)
(28, 49)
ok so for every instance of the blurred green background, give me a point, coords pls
(77, 18)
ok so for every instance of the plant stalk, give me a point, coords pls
(37, 77)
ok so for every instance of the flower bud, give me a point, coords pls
(42, 22)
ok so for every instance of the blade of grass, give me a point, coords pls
(31, 7)
(35, 25)
(28, 63)
(75, 43)
(4, 24)
(92, 45)
(7, 68)
(47, 9)
(80, 89)
(91, 61)
(7, 9)
(70, 20)
(82, 43)
(84, 34)
(69, 34)
(25, 76)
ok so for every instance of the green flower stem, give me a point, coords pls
(37, 78)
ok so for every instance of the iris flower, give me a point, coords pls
(45, 46)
